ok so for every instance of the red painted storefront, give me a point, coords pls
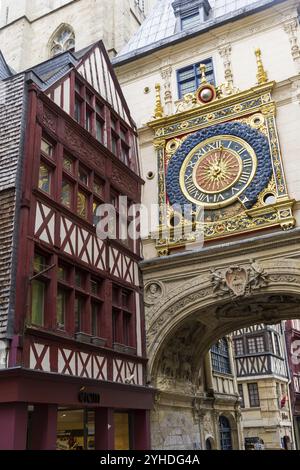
(77, 347)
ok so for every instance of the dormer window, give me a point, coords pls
(190, 21)
(190, 13)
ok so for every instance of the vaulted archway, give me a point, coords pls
(195, 299)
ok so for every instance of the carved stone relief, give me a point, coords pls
(239, 280)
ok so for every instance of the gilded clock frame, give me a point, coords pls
(243, 106)
(207, 142)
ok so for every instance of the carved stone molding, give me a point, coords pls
(166, 73)
(153, 292)
(223, 295)
(227, 88)
(291, 28)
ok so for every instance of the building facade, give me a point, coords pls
(32, 31)
(217, 116)
(73, 364)
(292, 333)
(263, 384)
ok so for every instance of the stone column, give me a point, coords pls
(166, 73)
(13, 425)
(291, 28)
(104, 429)
(208, 372)
(227, 88)
(44, 427)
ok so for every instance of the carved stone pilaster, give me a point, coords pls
(227, 88)
(166, 73)
(291, 29)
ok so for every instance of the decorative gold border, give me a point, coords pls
(217, 205)
(241, 106)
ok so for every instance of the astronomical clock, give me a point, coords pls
(220, 152)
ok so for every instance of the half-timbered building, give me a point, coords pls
(71, 323)
(263, 385)
(292, 334)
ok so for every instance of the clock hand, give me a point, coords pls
(220, 154)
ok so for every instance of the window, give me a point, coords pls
(38, 290)
(277, 344)
(63, 40)
(82, 204)
(190, 21)
(61, 307)
(189, 78)
(98, 187)
(241, 394)
(83, 175)
(68, 164)
(46, 148)
(38, 303)
(114, 144)
(96, 217)
(239, 347)
(220, 357)
(79, 279)
(66, 193)
(126, 328)
(78, 104)
(253, 395)
(115, 317)
(225, 433)
(122, 323)
(89, 120)
(45, 178)
(79, 310)
(99, 130)
(256, 344)
(96, 312)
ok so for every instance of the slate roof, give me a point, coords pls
(159, 29)
(11, 130)
(5, 71)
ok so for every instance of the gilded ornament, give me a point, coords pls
(261, 76)
(158, 112)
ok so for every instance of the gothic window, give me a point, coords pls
(188, 78)
(63, 40)
(225, 433)
(220, 357)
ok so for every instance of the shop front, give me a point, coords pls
(52, 412)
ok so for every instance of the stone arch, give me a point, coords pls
(210, 443)
(62, 39)
(233, 428)
(207, 305)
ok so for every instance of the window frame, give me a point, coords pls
(123, 328)
(253, 394)
(221, 363)
(195, 68)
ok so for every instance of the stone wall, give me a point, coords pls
(25, 29)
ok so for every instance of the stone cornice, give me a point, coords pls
(243, 247)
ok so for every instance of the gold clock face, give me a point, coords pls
(217, 171)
